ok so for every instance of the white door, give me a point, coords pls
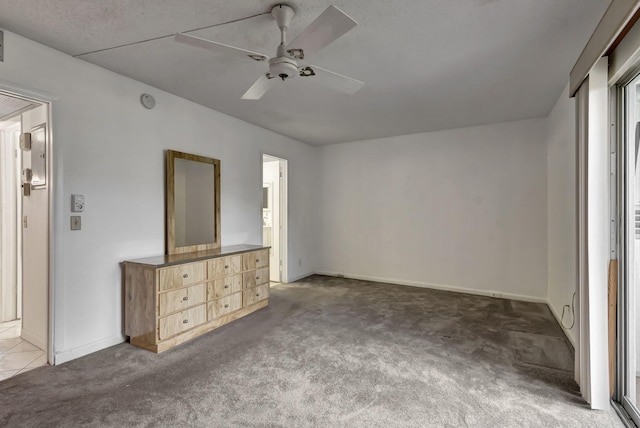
(10, 307)
(270, 214)
(35, 231)
(274, 215)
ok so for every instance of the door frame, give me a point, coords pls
(47, 99)
(283, 211)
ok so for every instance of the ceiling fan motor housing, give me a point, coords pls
(283, 67)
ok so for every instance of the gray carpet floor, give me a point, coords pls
(328, 352)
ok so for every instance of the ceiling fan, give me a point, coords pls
(327, 27)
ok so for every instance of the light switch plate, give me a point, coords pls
(76, 222)
(77, 203)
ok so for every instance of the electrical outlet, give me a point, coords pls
(76, 222)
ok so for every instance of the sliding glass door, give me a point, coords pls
(628, 209)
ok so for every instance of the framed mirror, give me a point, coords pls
(193, 203)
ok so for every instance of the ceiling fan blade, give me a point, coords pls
(259, 88)
(332, 80)
(331, 24)
(217, 47)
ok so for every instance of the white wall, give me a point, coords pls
(461, 209)
(561, 208)
(109, 148)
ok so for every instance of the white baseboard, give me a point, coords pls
(558, 318)
(80, 351)
(33, 339)
(299, 277)
(489, 293)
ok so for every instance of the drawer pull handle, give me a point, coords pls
(226, 286)
(185, 298)
(185, 321)
(226, 305)
(226, 266)
(186, 275)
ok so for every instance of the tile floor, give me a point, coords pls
(17, 355)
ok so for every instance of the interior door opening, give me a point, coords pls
(274, 215)
(24, 234)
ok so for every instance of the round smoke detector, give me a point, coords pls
(147, 101)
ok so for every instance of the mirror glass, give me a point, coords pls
(193, 202)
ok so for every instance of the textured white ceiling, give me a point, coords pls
(428, 64)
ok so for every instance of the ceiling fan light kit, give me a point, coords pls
(325, 29)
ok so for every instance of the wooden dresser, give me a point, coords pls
(173, 298)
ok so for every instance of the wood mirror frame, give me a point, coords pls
(195, 184)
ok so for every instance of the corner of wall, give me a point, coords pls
(568, 332)
(561, 208)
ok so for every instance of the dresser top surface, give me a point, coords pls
(176, 259)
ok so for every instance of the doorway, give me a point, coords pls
(274, 215)
(24, 234)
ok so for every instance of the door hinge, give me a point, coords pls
(24, 222)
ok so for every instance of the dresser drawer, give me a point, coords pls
(256, 259)
(179, 276)
(180, 299)
(262, 258)
(249, 279)
(225, 286)
(248, 261)
(262, 276)
(254, 295)
(185, 320)
(255, 277)
(223, 306)
(225, 266)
